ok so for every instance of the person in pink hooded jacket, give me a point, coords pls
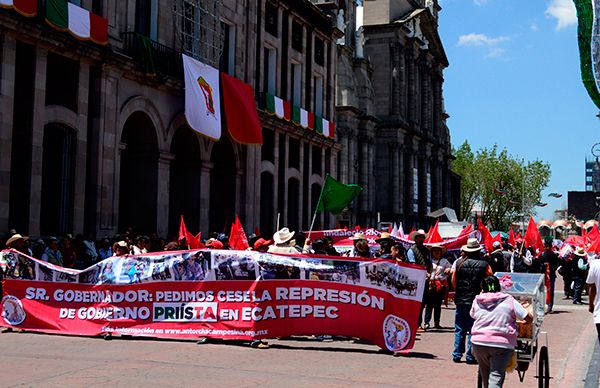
(494, 333)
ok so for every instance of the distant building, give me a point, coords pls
(584, 205)
(592, 175)
(411, 142)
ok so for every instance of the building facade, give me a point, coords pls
(411, 139)
(592, 174)
(94, 138)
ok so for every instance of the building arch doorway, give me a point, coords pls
(138, 175)
(222, 186)
(58, 179)
(185, 173)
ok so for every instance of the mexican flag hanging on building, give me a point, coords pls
(81, 23)
(24, 7)
(279, 107)
(588, 35)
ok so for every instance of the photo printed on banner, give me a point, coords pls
(191, 266)
(134, 269)
(234, 266)
(107, 271)
(339, 271)
(60, 276)
(44, 273)
(91, 275)
(389, 277)
(273, 267)
(161, 269)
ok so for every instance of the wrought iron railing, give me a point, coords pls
(153, 56)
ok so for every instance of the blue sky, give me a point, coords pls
(514, 80)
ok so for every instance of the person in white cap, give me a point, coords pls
(496, 258)
(284, 242)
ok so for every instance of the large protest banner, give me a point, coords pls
(219, 294)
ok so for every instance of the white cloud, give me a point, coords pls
(534, 27)
(563, 11)
(495, 52)
(479, 40)
(480, 2)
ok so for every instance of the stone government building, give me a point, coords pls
(93, 138)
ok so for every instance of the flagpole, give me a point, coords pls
(312, 224)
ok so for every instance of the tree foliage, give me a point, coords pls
(503, 186)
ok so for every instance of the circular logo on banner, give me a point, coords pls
(396, 333)
(12, 310)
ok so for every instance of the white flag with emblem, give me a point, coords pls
(202, 99)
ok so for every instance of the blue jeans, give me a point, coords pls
(462, 331)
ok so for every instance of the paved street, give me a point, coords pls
(45, 360)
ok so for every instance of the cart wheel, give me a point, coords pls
(543, 368)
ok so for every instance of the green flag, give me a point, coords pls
(335, 196)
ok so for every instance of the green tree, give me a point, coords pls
(499, 183)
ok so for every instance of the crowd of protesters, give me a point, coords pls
(468, 275)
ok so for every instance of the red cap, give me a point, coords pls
(214, 244)
(261, 242)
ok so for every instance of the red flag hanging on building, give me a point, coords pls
(533, 238)
(237, 237)
(434, 236)
(240, 111)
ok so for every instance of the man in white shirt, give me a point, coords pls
(593, 279)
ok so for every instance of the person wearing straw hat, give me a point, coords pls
(580, 267)
(385, 242)
(19, 243)
(469, 272)
(419, 253)
(438, 285)
(361, 246)
(284, 242)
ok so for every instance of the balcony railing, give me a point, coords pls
(153, 56)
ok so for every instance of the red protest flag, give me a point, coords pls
(182, 230)
(466, 231)
(490, 243)
(434, 236)
(237, 236)
(241, 115)
(533, 238)
(192, 242)
(486, 236)
(511, 236)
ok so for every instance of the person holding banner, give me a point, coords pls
(361, 246)
(438, 285)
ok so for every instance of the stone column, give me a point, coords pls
(395, 95)
(344, 156)
(395, 166)
(205, 171)
(39, 119)
(365, 173)
(162, 198)
(7, 93)
(109, 154)
(401, 181)
(81, 152)
(276, 182)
